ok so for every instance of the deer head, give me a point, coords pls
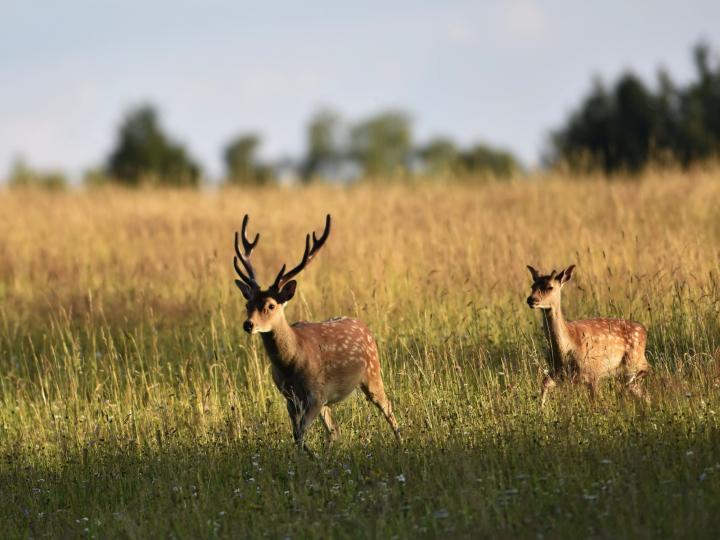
(265, 308)
(546, 288)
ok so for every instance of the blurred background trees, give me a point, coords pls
(616, 128)
(440, 156)
(144, 153)
(325, 146)
(484, 160)
(24, 176)
(242, 166)
(381, 144)
(628, 126)
(381, 147)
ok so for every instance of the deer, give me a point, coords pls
(314, 364)
(590, 350)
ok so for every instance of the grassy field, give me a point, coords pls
(133, 405)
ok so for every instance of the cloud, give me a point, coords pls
(524, 19)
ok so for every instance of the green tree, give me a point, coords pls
(635, 124)
(241, 163)
(584, 142)
(666, 138)
(699, 115)
(381, 145)
(623, 128)
(440, 156)
(143, 152)
(485, 160)
(613, 131)
(325, 145)
(24, 176)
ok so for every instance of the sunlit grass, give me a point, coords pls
(133, 405)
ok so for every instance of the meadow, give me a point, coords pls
(133, 405)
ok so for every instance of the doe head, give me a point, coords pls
(265, 307)
(546, 288)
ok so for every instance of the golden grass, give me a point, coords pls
(123, 367)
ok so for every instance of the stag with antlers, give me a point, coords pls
(314, 364)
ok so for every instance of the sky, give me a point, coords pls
(499, 72)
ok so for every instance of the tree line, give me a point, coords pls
(625, 127)
(379, 146)
(617, 128)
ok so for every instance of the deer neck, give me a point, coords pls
(281, 345)
(558, 334)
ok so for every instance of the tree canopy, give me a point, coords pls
(625, 127)
(241, 162)
(381, 144)
(325, 145)
(145, 153)
(442, 156)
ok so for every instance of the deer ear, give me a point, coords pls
(534, 273)
(287, 292)
(245, 289)
(564, 276)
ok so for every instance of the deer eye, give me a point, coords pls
(550, 288)
(271, 306)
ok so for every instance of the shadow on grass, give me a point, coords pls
(570, 476)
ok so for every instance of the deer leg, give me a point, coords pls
(592, 390)
(293, 412)
(633, 386)
(636, 391)
(636, 368)
(548, 384)
(375, 393)
(330, 426)
(302, 413)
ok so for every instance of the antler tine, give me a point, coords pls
(244, 256)
(249, 246)
(324, 236)
(282, 278)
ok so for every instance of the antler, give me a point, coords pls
(244, 258)
(282, 277)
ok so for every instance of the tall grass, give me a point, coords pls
(132, 404)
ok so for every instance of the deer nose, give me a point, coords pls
(248, 326)
(531, 301)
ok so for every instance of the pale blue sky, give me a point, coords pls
(503, 72)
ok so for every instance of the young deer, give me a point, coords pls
(587, 350)
(314, 365)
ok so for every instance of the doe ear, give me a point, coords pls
(564, 276)
(287, 292)
(245, 289)
(534, 273)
